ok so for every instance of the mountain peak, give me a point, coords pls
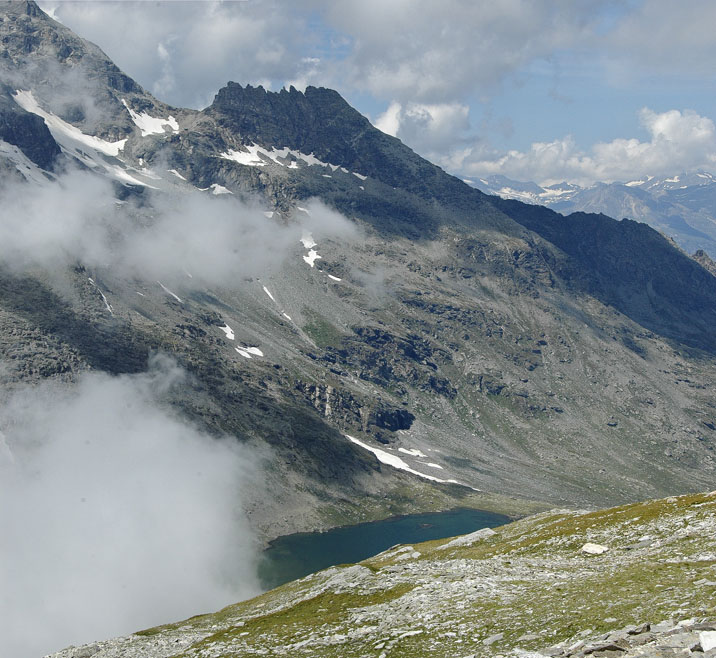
(24, 7)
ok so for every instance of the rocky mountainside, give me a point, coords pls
(637, 580)
(681, 206)
(479, 352)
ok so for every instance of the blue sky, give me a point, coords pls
(545, 90)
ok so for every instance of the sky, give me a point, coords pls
(543, 90)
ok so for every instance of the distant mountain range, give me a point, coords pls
(682, 206)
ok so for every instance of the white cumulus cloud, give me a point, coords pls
(678, 141)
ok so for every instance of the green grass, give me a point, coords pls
(531, 578)
(321, 331)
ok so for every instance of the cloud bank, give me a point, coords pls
(431, 65)
(217, 239)
(405, 50)
(116, 513)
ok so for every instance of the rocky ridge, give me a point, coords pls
(532, 588)
(680, 206)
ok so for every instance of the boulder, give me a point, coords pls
(594, 549)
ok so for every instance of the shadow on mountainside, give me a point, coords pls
(111, 347)
(631, 267)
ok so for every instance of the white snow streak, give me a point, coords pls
(150, 125)
(334, 278)
(169, 292)
(107, 305)
(23, 164)
(256, 156)
(89, 150)
(394, 460)
(61, 129)
(228, 331)
(266, 290)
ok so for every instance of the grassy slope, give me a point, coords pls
(529, 582)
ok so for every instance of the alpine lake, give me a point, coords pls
(294, 556)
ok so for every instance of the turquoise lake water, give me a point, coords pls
(295, 556)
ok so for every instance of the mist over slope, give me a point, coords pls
(116, 510)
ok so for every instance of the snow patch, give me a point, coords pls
(91, 151)
(361, 176)
(29, 170)
(219, 189)
(107, 305)
(334, 278)
(307, 241)
(243, 353)
(393, 460)
(288, 317)
(176, 173)
(312, 257)
(431, 464)
(63, 131)
(150, 125)
(413, 452)
(251, 350)
(256, 156)
(228, 331)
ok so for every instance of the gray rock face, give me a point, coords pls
(26, 131)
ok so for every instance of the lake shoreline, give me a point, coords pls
(296, 555)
